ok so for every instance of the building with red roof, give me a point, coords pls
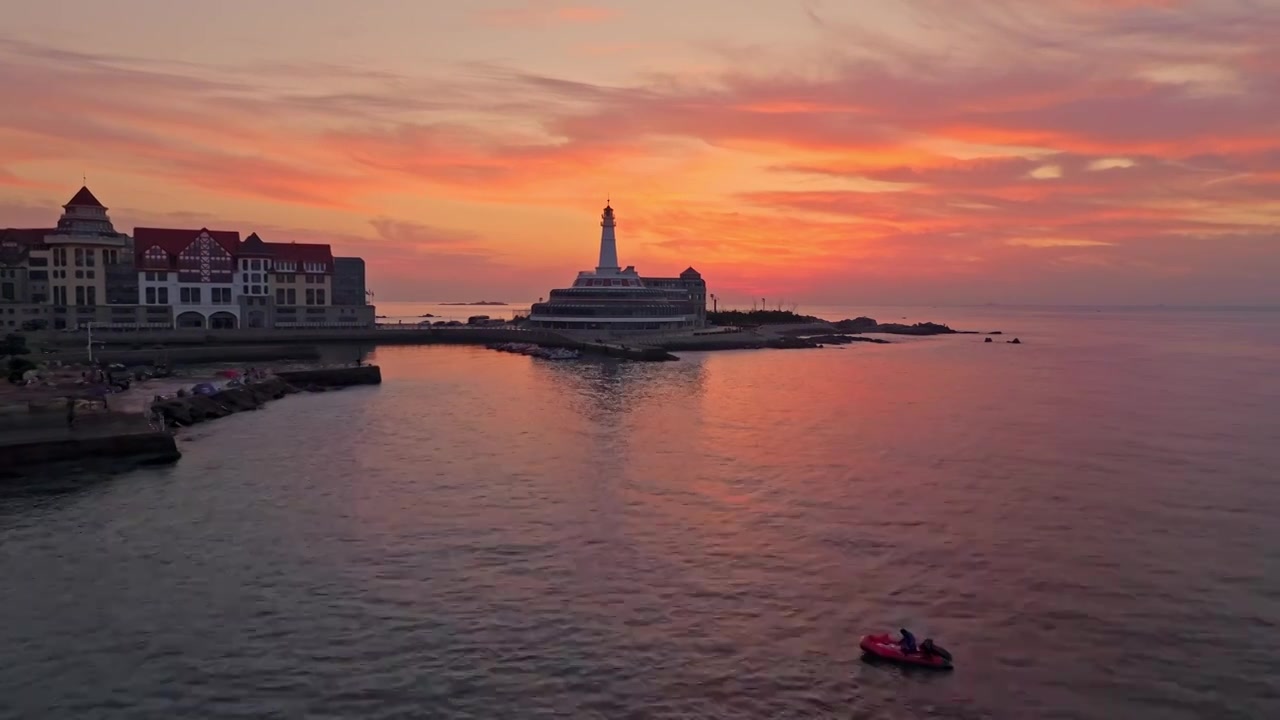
(83, 271)
(213, 279)
(68, 273)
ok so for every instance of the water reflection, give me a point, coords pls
(705, 538)
(605, 390)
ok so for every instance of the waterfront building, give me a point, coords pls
(83, 271)
(614, 300)
(214, 280)
(79, 252)
(688, 288)
(302, 289)
(191, 271)
(16, 281)
(348, 282)
(60, 277)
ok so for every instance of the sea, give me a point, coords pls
(1086, 520)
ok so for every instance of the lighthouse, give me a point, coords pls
(608, 243)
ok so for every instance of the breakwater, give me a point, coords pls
(47, 438)
(187, 410)
(23, 451)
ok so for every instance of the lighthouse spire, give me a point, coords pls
(608, 243)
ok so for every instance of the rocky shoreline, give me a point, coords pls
(122, 439)
(190, 409)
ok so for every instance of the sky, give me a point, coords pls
(816, 152)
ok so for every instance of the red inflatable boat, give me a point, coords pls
(886, 647)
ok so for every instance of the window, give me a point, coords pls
(8, 291)
(59, 257)
(79, 294)
(257, 290)
(244, 290)
(279, 296)
(320, 296)
(89, 274)
(292, 296)
(256, 277)
(311, 296)
(92, 295)
(110, 257)
(79, 257)
(151, 277)
(220, 296)
(255, 264)
(79, 274)
(38, 274)
(163, 295)
(189, 295)
(162, 276)
(151, 296)
(89, 255)
(38, 261)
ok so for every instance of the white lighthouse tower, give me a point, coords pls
(608, 243)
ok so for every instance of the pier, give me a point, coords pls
(116, 437)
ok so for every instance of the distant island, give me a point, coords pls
(482, 302)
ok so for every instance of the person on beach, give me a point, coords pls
(71, 413)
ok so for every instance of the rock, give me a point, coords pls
(831, 339)
(924, 328)
(858, 324)
(996, 332)
(789, 343)
(845, 339)
(1015, 341)
(988, 340)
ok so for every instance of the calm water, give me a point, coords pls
(1087, 521)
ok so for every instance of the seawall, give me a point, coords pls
(190, 355)
(334, 377)
(21, 452)
(195, 346)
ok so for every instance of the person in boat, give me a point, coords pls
(927, 648)
(908, 642)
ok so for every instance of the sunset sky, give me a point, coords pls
(821, 151)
